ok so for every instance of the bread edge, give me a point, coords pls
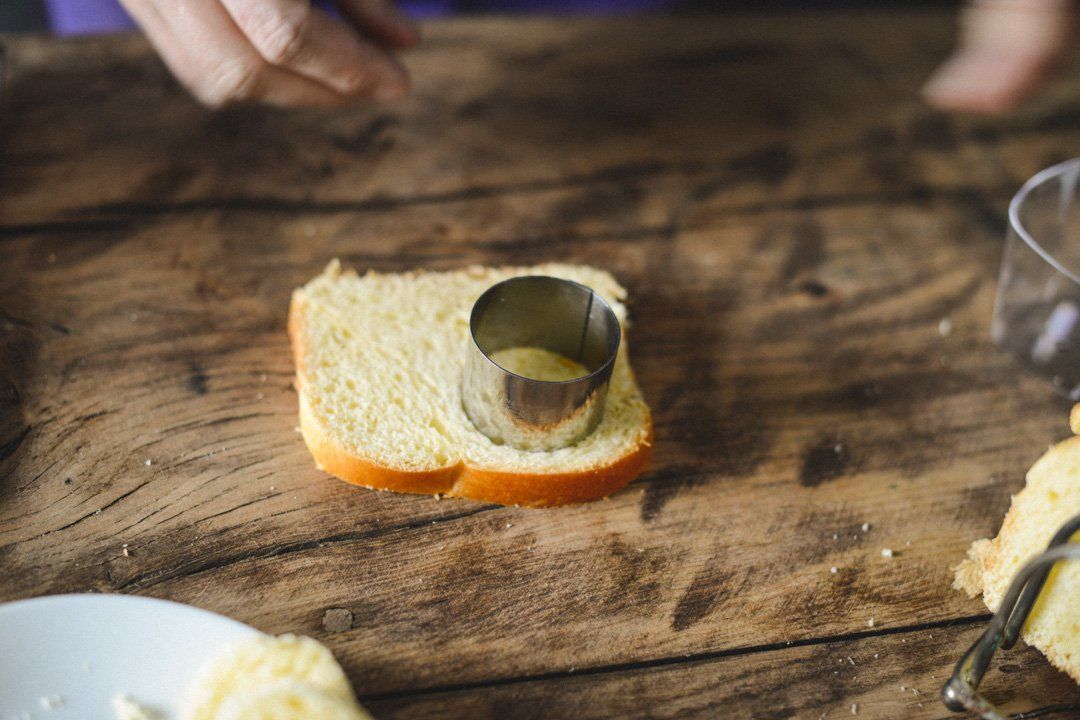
(460, 480)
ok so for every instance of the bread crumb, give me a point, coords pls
(833, 570)
(866, 527)
(886, 553)
(125, 551)
(437, 496)
(509, 525)
(835, 536)
(259, 396)
(127, 709)
(968, 575)
(51, 702)
(838, 448)
(148, 462)
(944, 327)
(870, 623)
(854, 708)
(850, 661)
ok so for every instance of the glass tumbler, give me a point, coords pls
(1037, 310)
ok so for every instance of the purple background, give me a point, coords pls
(76, 17)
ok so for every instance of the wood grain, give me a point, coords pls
(792, 225)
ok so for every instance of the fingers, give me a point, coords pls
(382, 20)
(208, 54)
(292, 35)
(986, 83)
(1007, 49)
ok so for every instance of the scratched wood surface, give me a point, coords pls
(793, 225)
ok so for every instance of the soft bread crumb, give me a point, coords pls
(259, 662)
(968, 574)
(124, 708)
(539, 364)
(50, 702)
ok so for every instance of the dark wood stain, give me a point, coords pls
(707, 589)
(197, 379)
(806, 252)
(933, 131)
(813, 288)
(370, 137)
(662, 487)
(825, 460)
(746, 52)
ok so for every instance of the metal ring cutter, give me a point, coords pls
(557, 315)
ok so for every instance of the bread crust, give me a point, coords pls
(460, 480)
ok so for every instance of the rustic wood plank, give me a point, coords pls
(816, 107)
(749, 415)
(892, 676)
(792, 226)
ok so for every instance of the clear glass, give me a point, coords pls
(1037, 311)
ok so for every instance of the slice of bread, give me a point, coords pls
(1050, 498)
(378, 372)
(260, 662)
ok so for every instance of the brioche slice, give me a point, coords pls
(378, 373)
(287, 700)
(261, 662)
(1050, 498)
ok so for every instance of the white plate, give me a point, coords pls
(86, 648)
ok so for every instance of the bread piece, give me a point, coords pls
(378, 372)
(1050, 498)
(261, 662)
(286, 700)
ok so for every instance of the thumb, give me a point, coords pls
(1007, 48)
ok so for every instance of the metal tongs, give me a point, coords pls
(961, 692)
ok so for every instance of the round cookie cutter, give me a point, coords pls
(557, 315)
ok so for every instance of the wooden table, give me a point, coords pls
(793, 225)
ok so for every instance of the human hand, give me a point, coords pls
(282, 52)
(1007, 49)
